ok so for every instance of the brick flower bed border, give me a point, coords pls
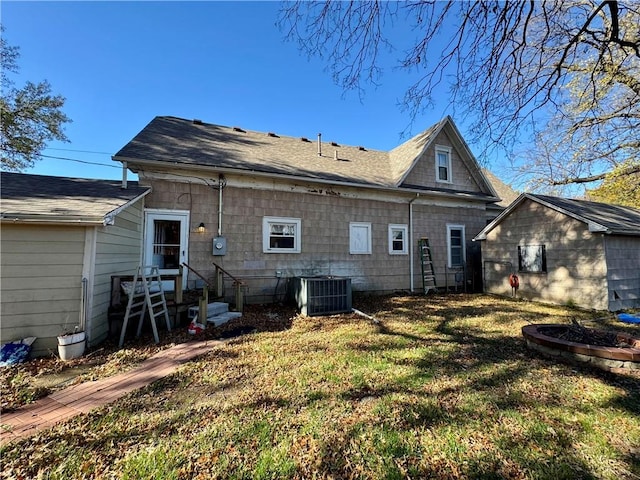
(606, 358)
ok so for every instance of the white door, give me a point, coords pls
(166, 241)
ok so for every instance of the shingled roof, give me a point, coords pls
(170, 141)
(62, 199)
(600, 217)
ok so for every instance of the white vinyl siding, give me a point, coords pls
(118, 252)
(41, 281)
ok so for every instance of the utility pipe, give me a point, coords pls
(124, 175)
(220, 187)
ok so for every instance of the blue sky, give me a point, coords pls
(119, 64)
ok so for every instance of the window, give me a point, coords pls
(280, 235)
(398, 240)
(359, 238)
(455, 245)
(443, 164)
(532, 258)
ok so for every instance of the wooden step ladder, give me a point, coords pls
(146, 294)
(426, 262)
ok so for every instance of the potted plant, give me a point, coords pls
(71, 344)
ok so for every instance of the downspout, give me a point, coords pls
(84, 304)
(411, 241)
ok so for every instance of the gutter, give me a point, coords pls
(34, 219)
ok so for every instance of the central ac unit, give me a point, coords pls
(322, 295)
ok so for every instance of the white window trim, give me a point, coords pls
(297, 239)
(463, 239)
(405, 231)
(366, 225)
(447, 150)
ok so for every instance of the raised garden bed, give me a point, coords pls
(602, 349)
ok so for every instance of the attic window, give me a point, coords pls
(271, 134)
(443, 164)
(305, 139)
(238, 129)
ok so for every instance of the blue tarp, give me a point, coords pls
(628, 318)
(16, 352)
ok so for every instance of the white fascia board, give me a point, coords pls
(110, 218)
(270, 181)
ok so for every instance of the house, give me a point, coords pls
(266, 208)
(565, 251)
(505, 192)
(62, 239)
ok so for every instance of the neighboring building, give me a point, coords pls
(505, 192)
(565, 251)
(267, 208)
(61, 240)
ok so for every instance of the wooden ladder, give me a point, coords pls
(146, 294)
(426, 262)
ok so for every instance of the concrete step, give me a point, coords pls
(223, 318)
(215, 308)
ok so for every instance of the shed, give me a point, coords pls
(62, 239)
(565, 251)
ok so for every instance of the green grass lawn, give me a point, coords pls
(442, 387)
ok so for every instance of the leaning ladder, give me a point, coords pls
(426, 262)
(146, 295)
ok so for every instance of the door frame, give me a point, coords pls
(151, 214)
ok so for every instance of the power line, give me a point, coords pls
(79, 151)
(79, 161)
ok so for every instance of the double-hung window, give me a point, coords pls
(398, 240)
(443, 164)
(455, 245)
(281, 235)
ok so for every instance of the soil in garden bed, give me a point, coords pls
(585, 335)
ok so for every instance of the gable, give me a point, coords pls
(423, 173)
(597, 217)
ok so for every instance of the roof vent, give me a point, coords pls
(334, 144)
(271, 134)
(305, 139)
(362, 148)
(320, 144)
(238, 129)
(197, 121)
